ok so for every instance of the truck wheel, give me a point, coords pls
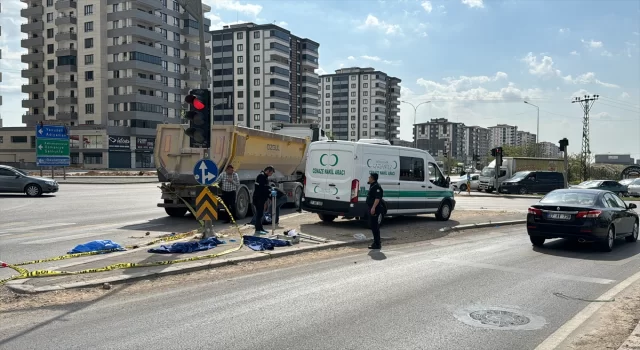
(176, 212)
(444, 213)
(489, 190)
(297, 198)
(242, 204)
(327, 218)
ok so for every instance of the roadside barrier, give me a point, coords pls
(23, 273)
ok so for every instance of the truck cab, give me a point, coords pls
(488, 177)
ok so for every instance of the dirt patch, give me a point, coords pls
(98, 173)
(610, 326)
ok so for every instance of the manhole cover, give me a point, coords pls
(499, 318)
(494, 317)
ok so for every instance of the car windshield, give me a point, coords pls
(590, 183)
(626, 181)
(569, 198)
(519, 176)
(636, 182)
(20, 171)
(488, 172)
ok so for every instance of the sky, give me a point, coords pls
(476, 61)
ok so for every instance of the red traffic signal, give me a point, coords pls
(192, 100)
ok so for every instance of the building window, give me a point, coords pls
(240, 71)
(353, 110)
(353, 77)
(364, 133)
(327, 79)
(49, 3)
(353, 94)
(49, 33)
(256, 94)
(49, 17)
(92, 158)
(239, 47)
(50, 79)
(327, 103)
(88, 75)
(240, 82)
(365, 85)
(49, 64)
(88, 108)
(327, 95)
(353, 133)
(88, 59)
(88, 10)
(365, 109)
(18, 139)
(256, 34)
(88, 27)
(256, 105)
(239, 35)
(256, 70)
(353, 102)
(88, 92)
(50, 95)
(50, 48)
(256, 46)
(240, 105)
(256, 58)
(353, 86)
(256, 82)
(51, 111)
(240, 59)
(256, 117)
(240, 94)
(240, 117)
(365, 77)
(365, 93)
(365, 101)
(353, 125)
(328, 111)
(88, 43)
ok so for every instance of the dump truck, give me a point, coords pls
(248, 150)
(512, 165)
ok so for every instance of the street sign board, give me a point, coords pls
(205, 171)
(206, 205)
(52, 145)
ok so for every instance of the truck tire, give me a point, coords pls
(489, 190)
(327, 218)
(176, 212)
(297, 198)
(242, 204)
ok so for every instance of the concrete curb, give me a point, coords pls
(633, 342)
(21, 288)
(498, 196)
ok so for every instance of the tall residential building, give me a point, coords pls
(360, 103)
(549, 149)
(441, 137)
(476, 143)
(263, 74)
(115, 68)
(503, 135)
(525, 138)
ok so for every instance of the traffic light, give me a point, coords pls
(563, 144)
(199, 117)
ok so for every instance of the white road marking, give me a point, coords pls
(31, 228)
(525, 271)
(5, 234)
(560, 335)
(12, 224)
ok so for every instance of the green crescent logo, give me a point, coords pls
(315, 189)
(336, 190)
(322, 162)
(395, 164)
(368, 160)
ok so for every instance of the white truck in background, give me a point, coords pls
(512, 165)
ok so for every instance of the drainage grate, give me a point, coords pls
(499, 318)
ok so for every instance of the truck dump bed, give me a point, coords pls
(249, 150)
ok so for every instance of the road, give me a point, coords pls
(418, 296)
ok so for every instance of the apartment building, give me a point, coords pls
(503, 135)
(476, 143)
(120, 67)
(262, 75)
(441, 137)
(549, 150)
(525, 138)
(360, 103)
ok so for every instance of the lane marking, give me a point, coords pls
(104, 230)
(560, 335)
(31, 228)
(12, 224)
(5, 234)
(525, 271)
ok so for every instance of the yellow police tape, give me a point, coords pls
(23, 273)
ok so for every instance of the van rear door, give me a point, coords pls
(316, 178)
(339, 168)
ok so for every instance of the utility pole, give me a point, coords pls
(415, 126)
(537, 128)
(586, 103)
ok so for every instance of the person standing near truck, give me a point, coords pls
(261, 194)
(376, 208)
(229, 182)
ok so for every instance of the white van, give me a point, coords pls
(337, 172)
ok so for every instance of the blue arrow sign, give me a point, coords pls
(205, 171)
(56, 132)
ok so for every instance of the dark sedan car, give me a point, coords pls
(583, 215)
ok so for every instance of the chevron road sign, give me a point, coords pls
(206, 205)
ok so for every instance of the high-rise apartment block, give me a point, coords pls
(360, 103)
(476, 144)
(503, 135)
(525, 138)
(263, 75)
(550, 150)
(115, 68)
(440, 138)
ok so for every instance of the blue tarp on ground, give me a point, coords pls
(260, 243)
(95, 246)
(188, 247)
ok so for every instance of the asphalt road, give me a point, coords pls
(408, 297)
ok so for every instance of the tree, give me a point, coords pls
(527, 150)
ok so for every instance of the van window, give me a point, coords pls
(435, 176)
(411, 169)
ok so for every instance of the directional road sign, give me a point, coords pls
(205, 171)
(206, 205)
(52, 145)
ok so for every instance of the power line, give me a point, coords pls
(586, 103)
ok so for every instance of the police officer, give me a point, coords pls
(376, 208)
(261, 194)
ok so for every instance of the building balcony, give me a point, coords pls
(66, 69)
(62, 20)
(32, 27)
(278, 62)
(33, 103)
(66, 4)
(313, 64)
(136, 32)
(32, 57)
(194, 47)
(66, 51)
(63, 116)
(33, 73)
(192, 76)
(139, 15)
(62, 36)
(33, 11)
(134, 81)
(32, 119)
(66, 100)
(188, 31)
(32, 42)
(190, 61)
(66, 84)
(151, 4)
(29, 88)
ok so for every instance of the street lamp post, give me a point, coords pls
(415, 127)
(537, 127)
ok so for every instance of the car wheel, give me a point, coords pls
(327, 218)
(444, 213)
(537, 241)
(463, 187)
(634, 235)
(607, 245)
(523, 190)
(33, 190)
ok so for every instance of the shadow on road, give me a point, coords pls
(377, 255)
(589, 251)
(21, 195)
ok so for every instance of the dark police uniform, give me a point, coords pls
(375, 192)
(261, 194)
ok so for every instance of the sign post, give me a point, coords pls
(206, 173)
(52, 146)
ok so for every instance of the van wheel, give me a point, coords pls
(522, 190)
(327, 218)
(444, 213)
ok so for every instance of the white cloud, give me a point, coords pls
(588, 78)
(580, 93)
(375, 59)
(636, 33)
(564, 30)
(426, 5)
(592, 44)
(320, 71)
(420, 30)
(543, 68)
(575, 53)
(283, 24)
(372, 22)
(371, 58)
(218, 23)
(351, 58)
(470, 88)
(603, 116)
(233, 5)
(473, 3)
(606, 53)
(624, 96)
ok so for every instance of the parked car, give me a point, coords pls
(633, 189)
(13, 180)
(626, 182)
(607, 185)
(524, 182)
(584, 215)
(460, 183)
